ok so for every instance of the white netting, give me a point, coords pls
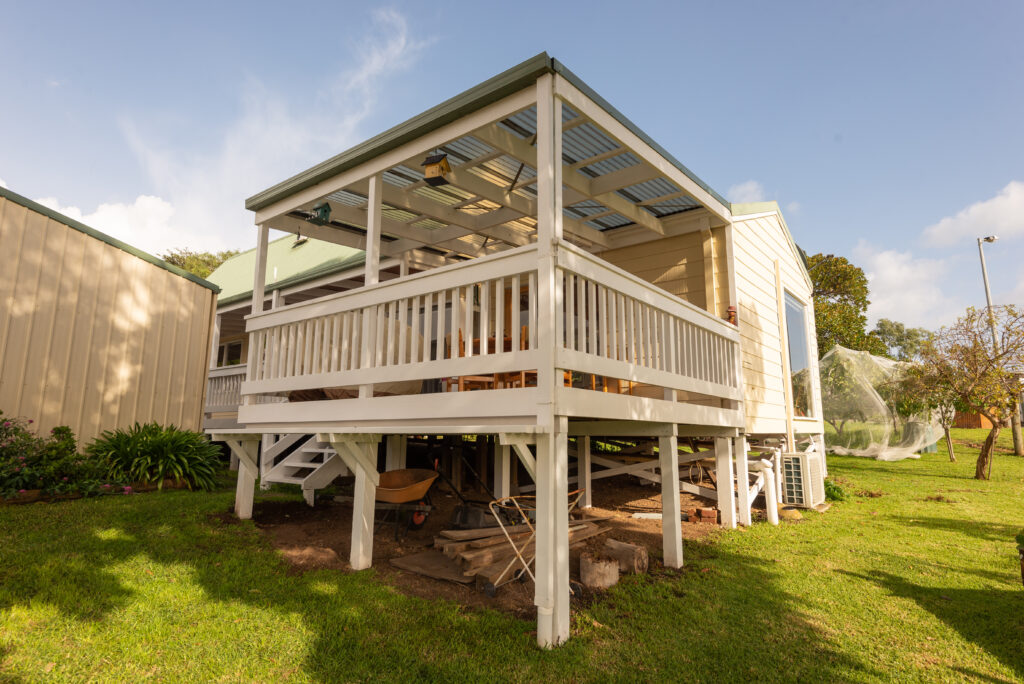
(865, 414)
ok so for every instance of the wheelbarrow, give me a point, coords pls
(406, 492)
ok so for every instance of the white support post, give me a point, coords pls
(502, 471)
(583, 469)
(361, 458)
(215, 344)
(671, 514)
(373, 222)
(246, 450)
(394, 459)
(742, 480)
(549, 233)
(260, 275)
(552, 546)
(726, 488)
(771, 504)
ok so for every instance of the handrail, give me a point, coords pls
(452, 275)
(222, 371)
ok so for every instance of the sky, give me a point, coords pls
(889, 132)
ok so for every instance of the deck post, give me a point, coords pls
(583, 471)
(215, 343)
(260, 275)
(742, 480)
(502, 470)
(726, 489)
(246, 448)
(373, 223)
(395, 456)
(552, 546)
(671, 514)
(359, 452)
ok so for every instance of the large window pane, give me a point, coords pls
(799, 355)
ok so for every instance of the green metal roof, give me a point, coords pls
(476, 98)
(103, 237)
(287, 264)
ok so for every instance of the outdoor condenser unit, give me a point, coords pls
(803, 481)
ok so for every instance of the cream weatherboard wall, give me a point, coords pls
(94, 334)
(765, 258)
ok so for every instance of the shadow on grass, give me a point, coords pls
(979, 529)
(993, 619)
(724, 617)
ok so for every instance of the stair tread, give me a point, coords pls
(284, 479)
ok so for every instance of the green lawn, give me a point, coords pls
(893, 586)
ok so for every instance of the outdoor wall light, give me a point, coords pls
(990, 238)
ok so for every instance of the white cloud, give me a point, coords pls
(3, 184)
(906, 288)
(147, 223)
(750, 191)
(1001, 215)
(793, 208)
(274, 136)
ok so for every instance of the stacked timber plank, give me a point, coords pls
(485, 554)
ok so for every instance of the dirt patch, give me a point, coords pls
(869, 493)
(318, 538)
(940, 498)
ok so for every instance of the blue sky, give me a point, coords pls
(889, 132)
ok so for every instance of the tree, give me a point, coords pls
(201, 264)
(840, 305)
(960, 366)
(902, 343)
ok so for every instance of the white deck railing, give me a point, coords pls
(478, 319)
(224, 388)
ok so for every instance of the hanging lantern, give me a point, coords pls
(434, 169)
(321, 214)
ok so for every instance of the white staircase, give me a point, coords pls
(312, 465)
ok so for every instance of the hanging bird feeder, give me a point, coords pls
(434, 169)
(321, 214)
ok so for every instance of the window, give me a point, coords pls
(799, 356)
(229, 354)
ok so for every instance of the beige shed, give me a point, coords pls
(95, 334)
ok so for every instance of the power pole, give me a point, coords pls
(1018, 441)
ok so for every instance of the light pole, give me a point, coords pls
(1018, 442)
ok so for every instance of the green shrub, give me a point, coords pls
(834, 491)
(51, 464)
(1020, 538)
(152, 453)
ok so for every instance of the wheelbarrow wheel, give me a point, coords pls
(418, 518)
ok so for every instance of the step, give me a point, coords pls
(285, 479)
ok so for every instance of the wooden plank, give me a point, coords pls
(433, 564)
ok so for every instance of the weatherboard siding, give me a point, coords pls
(758, 242)
(92, 336)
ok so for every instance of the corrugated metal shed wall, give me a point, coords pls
(94, 337)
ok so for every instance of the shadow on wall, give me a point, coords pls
(111, 560)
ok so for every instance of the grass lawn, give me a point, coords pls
(916, 578)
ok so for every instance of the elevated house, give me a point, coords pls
(533, 266)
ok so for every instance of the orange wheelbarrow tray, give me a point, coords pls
(404, 486)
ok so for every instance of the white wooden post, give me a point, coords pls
(361, 458)
(671, 515)
(724, 474)
(215, 346)
(246, 448)
(502, 470)
(373, 221)
(583, 471)
(552, 546)
(260, 275)
(771, 503)
(394, 458)
(742, 480)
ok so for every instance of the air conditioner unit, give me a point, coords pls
(803, 481)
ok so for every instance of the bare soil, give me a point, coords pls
(318, 538)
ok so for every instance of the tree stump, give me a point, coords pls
(598, 573)
(632, 559)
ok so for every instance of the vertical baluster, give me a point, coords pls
(485, 317)
(499, 316)
(403, 333)
(289, 359)
(515, 318)
(602, 320)
(469, 310)
(441, 324)
(428, 325)
(341, 343)
(415, 334)
(315, 345)
(570, 311)
(378, 343)
(532, 304)
(592, 316)
(620, 327)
